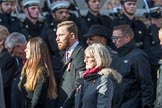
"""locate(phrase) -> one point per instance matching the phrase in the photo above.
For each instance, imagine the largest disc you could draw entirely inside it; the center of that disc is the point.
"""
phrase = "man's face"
(62, 38)
(119, 39)
(94, 5)
(32, 11)
(61, 15)
(129, 7)
(94, 39)
(17, 51)
(157, 22)
(7, 7)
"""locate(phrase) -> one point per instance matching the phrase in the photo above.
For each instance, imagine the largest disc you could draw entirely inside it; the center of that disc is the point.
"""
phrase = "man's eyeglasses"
(115, 38)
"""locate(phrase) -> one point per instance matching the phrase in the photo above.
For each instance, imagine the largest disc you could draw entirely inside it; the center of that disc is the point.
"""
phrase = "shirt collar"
(71, 49)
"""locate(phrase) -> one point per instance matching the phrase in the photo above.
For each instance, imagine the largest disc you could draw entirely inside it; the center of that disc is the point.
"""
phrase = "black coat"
(155, 49)
(31, 30)
(10, 22)
(85, 22)
(136, 88)
(16, 95)
(8, 67)
(49, 36)
(2, 101)
(70, 77)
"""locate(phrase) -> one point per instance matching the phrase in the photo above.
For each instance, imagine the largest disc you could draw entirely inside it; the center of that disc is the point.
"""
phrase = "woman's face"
(89, 61)
(27, 51)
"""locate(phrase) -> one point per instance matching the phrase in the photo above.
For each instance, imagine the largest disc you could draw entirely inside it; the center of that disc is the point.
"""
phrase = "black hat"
(97, 30)
(123, 1)
(155, 12)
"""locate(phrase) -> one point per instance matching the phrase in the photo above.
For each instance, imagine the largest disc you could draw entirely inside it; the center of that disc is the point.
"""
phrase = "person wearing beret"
(99, 34)
(6, 19)
(32, 25)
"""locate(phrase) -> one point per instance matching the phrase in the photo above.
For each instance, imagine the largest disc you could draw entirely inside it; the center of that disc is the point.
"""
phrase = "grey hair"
(100, 54)
(15, 38)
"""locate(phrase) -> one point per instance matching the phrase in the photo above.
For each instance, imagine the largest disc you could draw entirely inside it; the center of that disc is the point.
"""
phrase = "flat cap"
(27, 3)
(97, 30)
(155, 12)
(59, 5)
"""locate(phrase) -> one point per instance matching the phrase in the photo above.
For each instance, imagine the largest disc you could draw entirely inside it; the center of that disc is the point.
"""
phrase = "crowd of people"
(64, 60)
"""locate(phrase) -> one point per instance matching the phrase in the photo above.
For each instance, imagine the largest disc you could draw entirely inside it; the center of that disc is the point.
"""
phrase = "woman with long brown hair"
(37, 79)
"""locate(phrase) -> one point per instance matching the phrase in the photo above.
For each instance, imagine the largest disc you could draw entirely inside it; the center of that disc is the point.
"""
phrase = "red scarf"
(91, 71)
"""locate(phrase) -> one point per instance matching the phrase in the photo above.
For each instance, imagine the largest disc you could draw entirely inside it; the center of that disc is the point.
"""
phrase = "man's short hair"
(125, 29)
(71, 27)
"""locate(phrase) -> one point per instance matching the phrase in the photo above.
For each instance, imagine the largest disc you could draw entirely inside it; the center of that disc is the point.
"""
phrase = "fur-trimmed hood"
(112, 74)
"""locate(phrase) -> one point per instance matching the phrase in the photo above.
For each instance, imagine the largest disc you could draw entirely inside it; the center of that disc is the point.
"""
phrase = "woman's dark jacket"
(96, 91)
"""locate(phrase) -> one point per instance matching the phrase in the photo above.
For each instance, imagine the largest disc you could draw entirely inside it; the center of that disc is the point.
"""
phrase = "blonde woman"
(37, 80)
(96, 90)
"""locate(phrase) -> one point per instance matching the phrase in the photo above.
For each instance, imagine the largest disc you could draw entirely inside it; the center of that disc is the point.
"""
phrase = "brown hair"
(125, 29)
(71, 27)
(37, 65)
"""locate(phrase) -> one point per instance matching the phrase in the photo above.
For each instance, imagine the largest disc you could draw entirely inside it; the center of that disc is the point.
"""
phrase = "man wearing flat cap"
(98, 34)
(32, 24)
(6, 19)
(128, 17)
